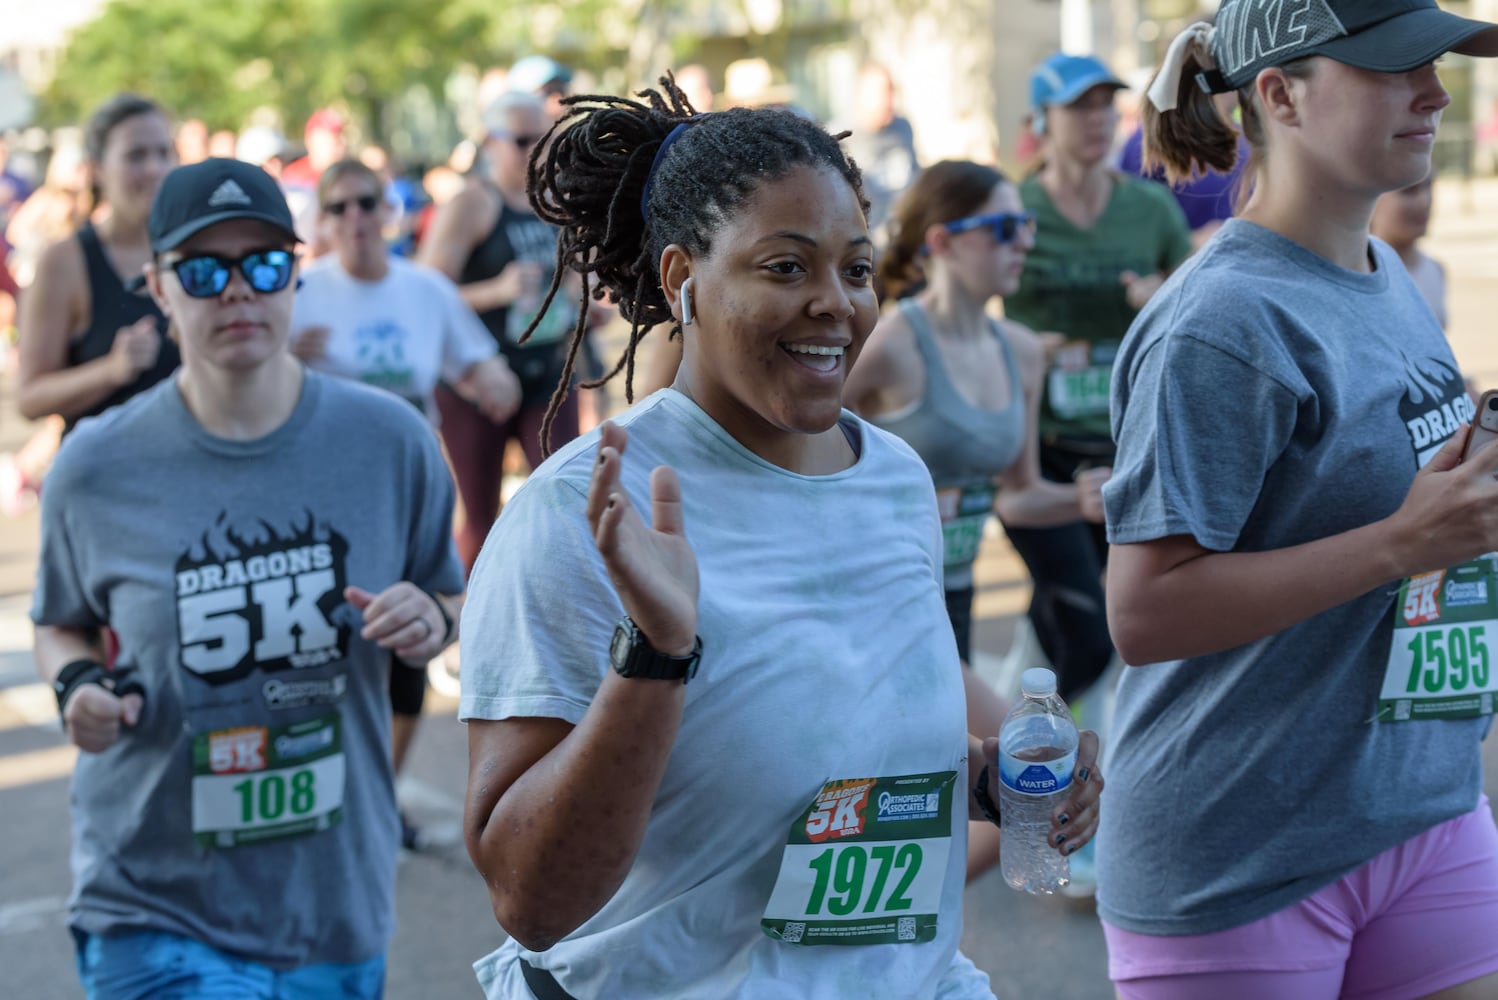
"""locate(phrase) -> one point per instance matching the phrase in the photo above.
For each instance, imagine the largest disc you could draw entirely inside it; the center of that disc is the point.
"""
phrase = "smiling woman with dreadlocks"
(811, 785)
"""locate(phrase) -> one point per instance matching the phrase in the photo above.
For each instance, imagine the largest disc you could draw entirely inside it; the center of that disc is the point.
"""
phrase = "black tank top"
(539, 361)
(112, 308)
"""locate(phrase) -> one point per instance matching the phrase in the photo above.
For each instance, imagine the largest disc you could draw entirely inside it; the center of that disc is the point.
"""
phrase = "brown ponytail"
(943, 192)
(1192, 139)
(1196, 137)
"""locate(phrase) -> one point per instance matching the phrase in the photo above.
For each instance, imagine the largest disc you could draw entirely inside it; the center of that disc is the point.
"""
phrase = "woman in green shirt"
(1104, 243)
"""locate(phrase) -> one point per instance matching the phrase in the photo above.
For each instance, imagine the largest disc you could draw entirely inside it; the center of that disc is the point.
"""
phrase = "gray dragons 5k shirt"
(221, 567)
(1267, 398)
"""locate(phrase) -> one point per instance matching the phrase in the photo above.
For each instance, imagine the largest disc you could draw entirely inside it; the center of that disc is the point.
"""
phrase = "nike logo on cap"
(228, 193)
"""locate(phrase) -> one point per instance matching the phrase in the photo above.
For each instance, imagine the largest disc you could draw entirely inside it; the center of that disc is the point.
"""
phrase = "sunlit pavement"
(1050, 948)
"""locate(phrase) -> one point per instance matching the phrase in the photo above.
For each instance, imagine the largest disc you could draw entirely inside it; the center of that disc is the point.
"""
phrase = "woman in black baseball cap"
(260, 540)
(1298, 547)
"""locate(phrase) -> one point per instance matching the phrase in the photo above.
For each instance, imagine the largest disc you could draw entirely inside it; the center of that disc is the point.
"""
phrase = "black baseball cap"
(203, 194)
(1387, 36)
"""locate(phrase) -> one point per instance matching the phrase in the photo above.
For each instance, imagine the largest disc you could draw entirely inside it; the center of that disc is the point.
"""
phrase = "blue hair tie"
(660, 154)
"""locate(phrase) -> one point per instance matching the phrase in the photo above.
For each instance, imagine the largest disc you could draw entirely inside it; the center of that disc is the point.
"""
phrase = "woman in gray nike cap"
(1297, 556)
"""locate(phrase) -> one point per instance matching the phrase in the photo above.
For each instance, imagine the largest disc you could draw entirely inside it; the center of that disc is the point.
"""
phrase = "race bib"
(1441, 658)
(259, 783)
(1078, 380)
(865, 863)
(1082, 393)
(964, 511)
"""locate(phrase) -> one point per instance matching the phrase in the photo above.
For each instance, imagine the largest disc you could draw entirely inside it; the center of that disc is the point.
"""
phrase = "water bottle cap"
(1038, 681)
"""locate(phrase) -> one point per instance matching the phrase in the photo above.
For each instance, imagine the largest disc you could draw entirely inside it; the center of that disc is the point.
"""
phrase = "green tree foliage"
(221, 61)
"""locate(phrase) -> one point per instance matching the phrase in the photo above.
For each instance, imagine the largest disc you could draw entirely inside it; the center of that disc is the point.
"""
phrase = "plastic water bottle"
(1037, 755)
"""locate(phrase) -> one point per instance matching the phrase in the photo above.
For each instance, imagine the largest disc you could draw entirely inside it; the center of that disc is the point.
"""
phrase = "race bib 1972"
(865, 863)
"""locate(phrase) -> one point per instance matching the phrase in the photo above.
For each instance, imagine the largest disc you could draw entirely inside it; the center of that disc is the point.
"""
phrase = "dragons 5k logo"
(1435, 403)
(839, 810)
(261, 600)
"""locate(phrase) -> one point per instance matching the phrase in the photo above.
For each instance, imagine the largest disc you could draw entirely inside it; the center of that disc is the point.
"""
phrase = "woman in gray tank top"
(963, 389)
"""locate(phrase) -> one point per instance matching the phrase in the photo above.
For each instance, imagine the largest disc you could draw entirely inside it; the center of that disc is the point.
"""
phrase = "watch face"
(620, 645)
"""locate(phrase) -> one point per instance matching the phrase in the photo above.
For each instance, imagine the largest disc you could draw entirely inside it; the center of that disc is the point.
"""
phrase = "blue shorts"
(155, 965)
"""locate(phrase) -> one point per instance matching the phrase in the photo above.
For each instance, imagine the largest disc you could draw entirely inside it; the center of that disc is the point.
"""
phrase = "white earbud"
(686, 303)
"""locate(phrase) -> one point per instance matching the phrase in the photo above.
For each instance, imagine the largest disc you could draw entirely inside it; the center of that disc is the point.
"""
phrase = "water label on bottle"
(865, 863)
(1440, 661)
(1036, 777)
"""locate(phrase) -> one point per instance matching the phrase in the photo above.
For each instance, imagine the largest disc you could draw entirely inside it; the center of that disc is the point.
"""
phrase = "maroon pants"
(476, 448)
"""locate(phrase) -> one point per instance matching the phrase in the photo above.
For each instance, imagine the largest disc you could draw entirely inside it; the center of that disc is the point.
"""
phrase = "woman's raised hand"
(652, 567)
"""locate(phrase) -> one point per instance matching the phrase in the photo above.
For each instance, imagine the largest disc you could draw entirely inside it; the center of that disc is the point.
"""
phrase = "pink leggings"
(1419, 918)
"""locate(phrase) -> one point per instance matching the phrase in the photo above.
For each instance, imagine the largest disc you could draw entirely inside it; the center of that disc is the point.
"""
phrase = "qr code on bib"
(793, 932)
(905, 929)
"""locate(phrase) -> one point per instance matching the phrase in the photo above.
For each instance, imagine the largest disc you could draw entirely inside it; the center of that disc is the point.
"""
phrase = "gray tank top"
(964, 447)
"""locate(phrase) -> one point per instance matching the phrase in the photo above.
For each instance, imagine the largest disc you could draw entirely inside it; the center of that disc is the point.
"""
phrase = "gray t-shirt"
(252, 808)
(1264, 399)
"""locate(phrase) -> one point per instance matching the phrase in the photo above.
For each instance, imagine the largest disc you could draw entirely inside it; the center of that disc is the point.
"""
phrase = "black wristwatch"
(633, 656)
(986, 805)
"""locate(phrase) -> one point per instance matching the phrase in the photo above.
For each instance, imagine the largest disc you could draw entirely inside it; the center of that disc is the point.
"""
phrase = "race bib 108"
(256, 783)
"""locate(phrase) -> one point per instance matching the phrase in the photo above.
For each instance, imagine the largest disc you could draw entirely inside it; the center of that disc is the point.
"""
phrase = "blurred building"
(961, 67)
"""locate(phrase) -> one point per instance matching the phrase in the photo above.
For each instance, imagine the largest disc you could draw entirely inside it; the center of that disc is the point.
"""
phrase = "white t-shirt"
(401, 333)
(827, 654)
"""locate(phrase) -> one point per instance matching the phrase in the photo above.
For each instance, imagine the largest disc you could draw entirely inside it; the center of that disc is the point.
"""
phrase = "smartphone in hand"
(1484, 426)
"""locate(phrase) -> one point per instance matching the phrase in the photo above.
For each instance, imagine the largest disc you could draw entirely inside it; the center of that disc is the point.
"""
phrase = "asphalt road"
(1050, 948)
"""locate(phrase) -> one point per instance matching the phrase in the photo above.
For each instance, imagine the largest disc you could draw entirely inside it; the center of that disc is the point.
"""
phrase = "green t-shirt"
(1071, 286)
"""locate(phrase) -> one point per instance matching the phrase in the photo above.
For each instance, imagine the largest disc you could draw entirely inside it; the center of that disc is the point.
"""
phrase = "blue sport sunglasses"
(1005, 226)
(205, 276)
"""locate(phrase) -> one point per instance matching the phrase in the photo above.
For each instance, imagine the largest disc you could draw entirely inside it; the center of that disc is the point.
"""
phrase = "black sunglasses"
(367, 203)
(1005, 226)
(522, 142)
(205, 276)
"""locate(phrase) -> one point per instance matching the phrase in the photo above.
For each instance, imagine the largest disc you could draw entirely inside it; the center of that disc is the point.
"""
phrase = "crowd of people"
(1182, 380)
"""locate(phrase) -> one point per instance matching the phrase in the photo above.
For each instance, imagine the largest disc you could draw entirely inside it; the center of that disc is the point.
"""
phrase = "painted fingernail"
(1084, 774)
(1063, 819)
(1072, 849)
(1060, 839)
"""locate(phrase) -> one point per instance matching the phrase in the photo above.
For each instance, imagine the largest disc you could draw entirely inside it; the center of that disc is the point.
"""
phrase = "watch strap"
(447, 619)
(631, 655)
(73, 676)
(986, 805)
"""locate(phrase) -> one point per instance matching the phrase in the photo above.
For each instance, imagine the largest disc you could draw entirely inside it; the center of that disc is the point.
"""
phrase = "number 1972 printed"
(845, 870)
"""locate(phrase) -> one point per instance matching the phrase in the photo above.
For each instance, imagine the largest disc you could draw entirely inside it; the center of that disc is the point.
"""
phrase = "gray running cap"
(1387, 36)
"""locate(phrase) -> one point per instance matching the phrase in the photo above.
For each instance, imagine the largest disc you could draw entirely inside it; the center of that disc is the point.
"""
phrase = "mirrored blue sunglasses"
(1005, 226)
(205, 276)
